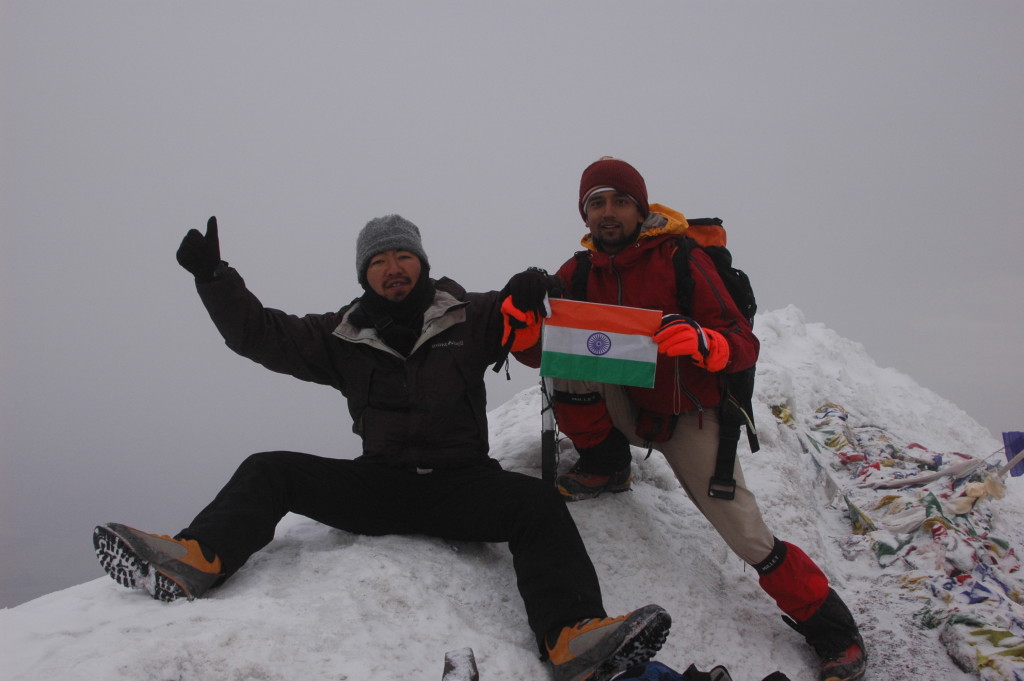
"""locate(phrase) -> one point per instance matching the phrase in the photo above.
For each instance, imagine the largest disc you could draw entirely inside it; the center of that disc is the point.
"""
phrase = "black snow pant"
(556, 578)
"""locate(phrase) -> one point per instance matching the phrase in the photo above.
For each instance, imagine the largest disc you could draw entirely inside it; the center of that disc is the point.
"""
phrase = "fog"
(866, 158)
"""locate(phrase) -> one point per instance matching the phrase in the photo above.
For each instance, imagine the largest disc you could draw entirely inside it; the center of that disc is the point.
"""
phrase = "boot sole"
(638, 640)
(636, 650)
(583, 496)
(126, 567)
(851, 671)
(587, 495)
(853, 675)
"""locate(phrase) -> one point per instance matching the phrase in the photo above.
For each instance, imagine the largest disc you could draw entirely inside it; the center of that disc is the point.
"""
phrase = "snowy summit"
(892, 489)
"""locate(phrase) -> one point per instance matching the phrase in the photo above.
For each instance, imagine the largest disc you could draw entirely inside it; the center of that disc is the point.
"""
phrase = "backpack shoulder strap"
(578, 285)
(684, 282)
(735, 410)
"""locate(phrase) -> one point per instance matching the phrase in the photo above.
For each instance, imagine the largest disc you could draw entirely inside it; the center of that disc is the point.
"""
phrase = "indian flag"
(603, 343)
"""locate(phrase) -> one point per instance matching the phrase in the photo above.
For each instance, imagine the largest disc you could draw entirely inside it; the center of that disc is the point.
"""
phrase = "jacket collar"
(447, 310)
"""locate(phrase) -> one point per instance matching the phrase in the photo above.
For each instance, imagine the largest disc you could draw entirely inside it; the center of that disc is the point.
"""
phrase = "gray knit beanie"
(391, 232)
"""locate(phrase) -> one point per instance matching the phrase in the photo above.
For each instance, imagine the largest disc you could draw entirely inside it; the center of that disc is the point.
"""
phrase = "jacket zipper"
(681, 388)
(618, 280)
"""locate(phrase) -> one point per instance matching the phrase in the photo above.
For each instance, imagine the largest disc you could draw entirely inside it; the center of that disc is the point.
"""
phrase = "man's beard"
(605, 242)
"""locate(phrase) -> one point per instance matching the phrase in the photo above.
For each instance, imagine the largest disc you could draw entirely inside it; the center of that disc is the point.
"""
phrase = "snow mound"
(322, 604)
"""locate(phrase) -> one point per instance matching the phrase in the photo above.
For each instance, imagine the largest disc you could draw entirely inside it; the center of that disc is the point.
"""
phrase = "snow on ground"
(322, 604)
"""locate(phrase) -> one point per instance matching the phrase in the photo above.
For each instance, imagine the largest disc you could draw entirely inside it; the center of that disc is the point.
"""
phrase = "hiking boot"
(577, 485)
(834, 635)
(607, 466)
(848, 665)
(167, 568)
(597, 649)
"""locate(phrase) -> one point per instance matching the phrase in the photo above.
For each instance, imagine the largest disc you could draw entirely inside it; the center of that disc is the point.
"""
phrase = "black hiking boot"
(577, 485)
(834, 635)
(605, 467)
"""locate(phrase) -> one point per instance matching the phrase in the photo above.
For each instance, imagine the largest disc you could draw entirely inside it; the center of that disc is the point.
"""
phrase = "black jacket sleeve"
(281, 342)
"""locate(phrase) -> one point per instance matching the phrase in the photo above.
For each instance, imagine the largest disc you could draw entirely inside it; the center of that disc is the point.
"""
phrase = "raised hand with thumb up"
(199, 253)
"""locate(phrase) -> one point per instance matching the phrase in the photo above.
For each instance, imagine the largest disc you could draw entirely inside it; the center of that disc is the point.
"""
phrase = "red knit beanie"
(613, 173)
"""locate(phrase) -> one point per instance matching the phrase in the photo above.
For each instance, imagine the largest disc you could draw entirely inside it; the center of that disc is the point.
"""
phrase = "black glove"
(528, 289)
(200, 254)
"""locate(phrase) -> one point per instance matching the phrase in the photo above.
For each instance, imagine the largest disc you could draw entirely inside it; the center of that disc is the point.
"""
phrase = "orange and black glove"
(522, 329)
(524, 305)
(680, 336)
(529, 289)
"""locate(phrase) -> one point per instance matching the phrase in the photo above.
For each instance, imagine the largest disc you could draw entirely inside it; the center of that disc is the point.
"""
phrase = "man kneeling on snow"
(410, 356)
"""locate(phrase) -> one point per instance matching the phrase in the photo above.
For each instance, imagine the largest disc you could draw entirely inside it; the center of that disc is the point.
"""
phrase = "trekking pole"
(548, 446)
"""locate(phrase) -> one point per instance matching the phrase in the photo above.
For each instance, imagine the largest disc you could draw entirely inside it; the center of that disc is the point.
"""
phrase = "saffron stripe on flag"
(608, 318)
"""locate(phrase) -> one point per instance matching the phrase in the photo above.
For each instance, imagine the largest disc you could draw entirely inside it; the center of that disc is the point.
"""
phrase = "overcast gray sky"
(867, 158)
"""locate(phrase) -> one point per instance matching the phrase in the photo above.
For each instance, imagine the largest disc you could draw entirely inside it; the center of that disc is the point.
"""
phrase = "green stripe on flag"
(597, 369)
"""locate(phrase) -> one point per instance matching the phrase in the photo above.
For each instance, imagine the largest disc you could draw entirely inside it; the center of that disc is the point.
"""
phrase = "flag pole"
(548, 428)
(548, 445)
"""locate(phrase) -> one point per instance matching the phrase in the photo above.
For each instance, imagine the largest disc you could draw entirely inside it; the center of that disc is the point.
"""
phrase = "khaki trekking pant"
(691, 452)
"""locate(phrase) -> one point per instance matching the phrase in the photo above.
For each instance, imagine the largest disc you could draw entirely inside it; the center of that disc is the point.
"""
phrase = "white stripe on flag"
(599, 344)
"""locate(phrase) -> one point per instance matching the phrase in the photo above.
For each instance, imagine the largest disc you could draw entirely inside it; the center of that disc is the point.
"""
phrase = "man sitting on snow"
(409, 355)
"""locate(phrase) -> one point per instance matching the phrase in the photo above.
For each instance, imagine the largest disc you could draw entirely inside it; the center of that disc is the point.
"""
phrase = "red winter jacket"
(643, 275)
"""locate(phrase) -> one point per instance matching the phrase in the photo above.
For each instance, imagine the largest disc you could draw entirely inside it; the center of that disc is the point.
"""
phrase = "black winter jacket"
(425, 411)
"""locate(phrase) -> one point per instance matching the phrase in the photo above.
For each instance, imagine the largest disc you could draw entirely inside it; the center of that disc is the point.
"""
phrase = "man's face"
(393, 274)
(613, 220)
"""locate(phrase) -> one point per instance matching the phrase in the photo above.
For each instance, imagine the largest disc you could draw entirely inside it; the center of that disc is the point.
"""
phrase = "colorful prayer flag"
(602, 343)
(1013, 442)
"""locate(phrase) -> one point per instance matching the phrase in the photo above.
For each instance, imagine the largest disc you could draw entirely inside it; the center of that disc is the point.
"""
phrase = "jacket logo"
(449, 344)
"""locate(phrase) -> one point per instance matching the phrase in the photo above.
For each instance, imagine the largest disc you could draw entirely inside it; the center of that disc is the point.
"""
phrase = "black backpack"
(736, 408)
